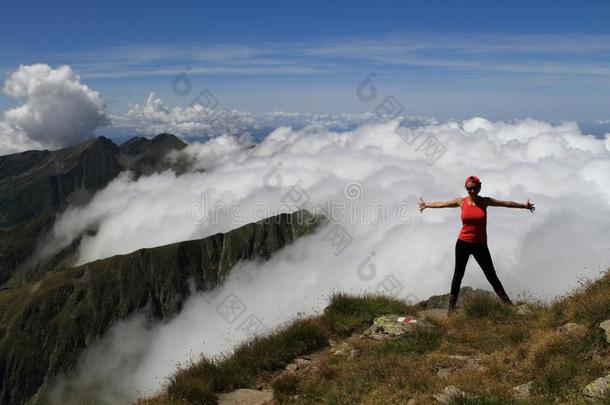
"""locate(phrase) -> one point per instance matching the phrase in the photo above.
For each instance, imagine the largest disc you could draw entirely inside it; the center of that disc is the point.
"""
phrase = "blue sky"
(444, 59)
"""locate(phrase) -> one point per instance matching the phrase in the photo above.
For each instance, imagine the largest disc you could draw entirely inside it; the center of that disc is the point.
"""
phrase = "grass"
(418, 342)
(589, 302)
(347, 313)
(285, 386)
(513, 349)
(201, 381)
(485, 307)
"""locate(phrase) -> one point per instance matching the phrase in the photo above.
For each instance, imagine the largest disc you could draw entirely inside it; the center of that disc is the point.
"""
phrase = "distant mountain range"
(37, 185)
(49, 311)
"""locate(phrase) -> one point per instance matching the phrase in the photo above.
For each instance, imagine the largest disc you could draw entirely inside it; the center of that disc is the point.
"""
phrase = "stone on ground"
(245, 396)
(451, 394)
(523, 391)
(598, 389)
(605, 325)
(569, 327)
(523, 309)
(442, 301)
(392, 325)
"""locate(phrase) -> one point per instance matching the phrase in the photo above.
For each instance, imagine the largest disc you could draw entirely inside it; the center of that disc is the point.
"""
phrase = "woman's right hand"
(422, 205)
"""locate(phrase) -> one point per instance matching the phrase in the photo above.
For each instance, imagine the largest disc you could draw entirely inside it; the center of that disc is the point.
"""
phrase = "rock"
(302, 363)
(444, 372)
(451, 394)
(245, 396)
(605, 325)
(569, 327)
(459, 357)
(393, 325)
(522, 309)
(598, 389)
(469, 359)
(433, 313)
(442, 301)
(291, 367)
(342, 349)
(523, 391)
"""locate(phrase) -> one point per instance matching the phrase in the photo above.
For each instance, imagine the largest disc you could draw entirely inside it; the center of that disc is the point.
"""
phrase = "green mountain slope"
(45, 324)
(37, 185)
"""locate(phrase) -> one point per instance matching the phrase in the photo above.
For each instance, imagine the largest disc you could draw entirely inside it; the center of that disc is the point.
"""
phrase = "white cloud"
(206, 117)
(13, 140)
(527, 54)
(58, 111)
(543, 254)
(154, 117)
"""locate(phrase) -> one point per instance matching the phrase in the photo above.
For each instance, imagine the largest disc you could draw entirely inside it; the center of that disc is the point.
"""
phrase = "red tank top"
(474, 222)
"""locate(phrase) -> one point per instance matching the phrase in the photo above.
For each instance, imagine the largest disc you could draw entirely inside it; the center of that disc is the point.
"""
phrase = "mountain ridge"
(45, 324)
(37, 185)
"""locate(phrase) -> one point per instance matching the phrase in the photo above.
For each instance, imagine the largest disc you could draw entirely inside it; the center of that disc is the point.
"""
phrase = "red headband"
(473, 179)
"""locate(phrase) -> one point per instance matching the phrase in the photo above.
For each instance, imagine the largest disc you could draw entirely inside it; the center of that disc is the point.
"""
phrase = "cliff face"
(45, 324)
(37, 185)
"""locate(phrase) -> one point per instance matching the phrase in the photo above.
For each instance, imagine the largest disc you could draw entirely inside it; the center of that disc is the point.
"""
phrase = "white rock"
(605, 325)
(302, 363)
(523, 309)
(451, 394)
(444, 372)
(245, 396)
(598, 389)
(523, 391)
(568, 327)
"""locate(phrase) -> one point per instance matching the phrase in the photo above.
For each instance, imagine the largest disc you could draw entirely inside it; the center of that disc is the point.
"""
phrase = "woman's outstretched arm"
(438, 204)
(492, 202)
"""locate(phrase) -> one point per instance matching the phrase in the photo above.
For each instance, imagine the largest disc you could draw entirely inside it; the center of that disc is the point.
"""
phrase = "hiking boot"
(505, 299)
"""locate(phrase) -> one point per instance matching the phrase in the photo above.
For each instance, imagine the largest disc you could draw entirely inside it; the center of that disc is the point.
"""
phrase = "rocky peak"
(36, 185)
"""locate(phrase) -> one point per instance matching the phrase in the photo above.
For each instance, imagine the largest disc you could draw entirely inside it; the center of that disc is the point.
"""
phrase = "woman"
(472, 238)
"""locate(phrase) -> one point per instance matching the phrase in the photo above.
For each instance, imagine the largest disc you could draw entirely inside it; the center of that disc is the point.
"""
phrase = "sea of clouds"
(205, 117)
(371, 172)
(397, 249)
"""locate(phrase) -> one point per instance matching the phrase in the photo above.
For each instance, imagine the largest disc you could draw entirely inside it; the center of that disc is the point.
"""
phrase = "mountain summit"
(37, 185)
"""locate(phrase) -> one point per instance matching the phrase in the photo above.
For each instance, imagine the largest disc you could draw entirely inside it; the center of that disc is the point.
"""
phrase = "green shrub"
(347, 313)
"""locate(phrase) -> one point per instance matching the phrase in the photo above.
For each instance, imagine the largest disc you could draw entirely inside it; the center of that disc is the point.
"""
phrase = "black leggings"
(481, 254)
